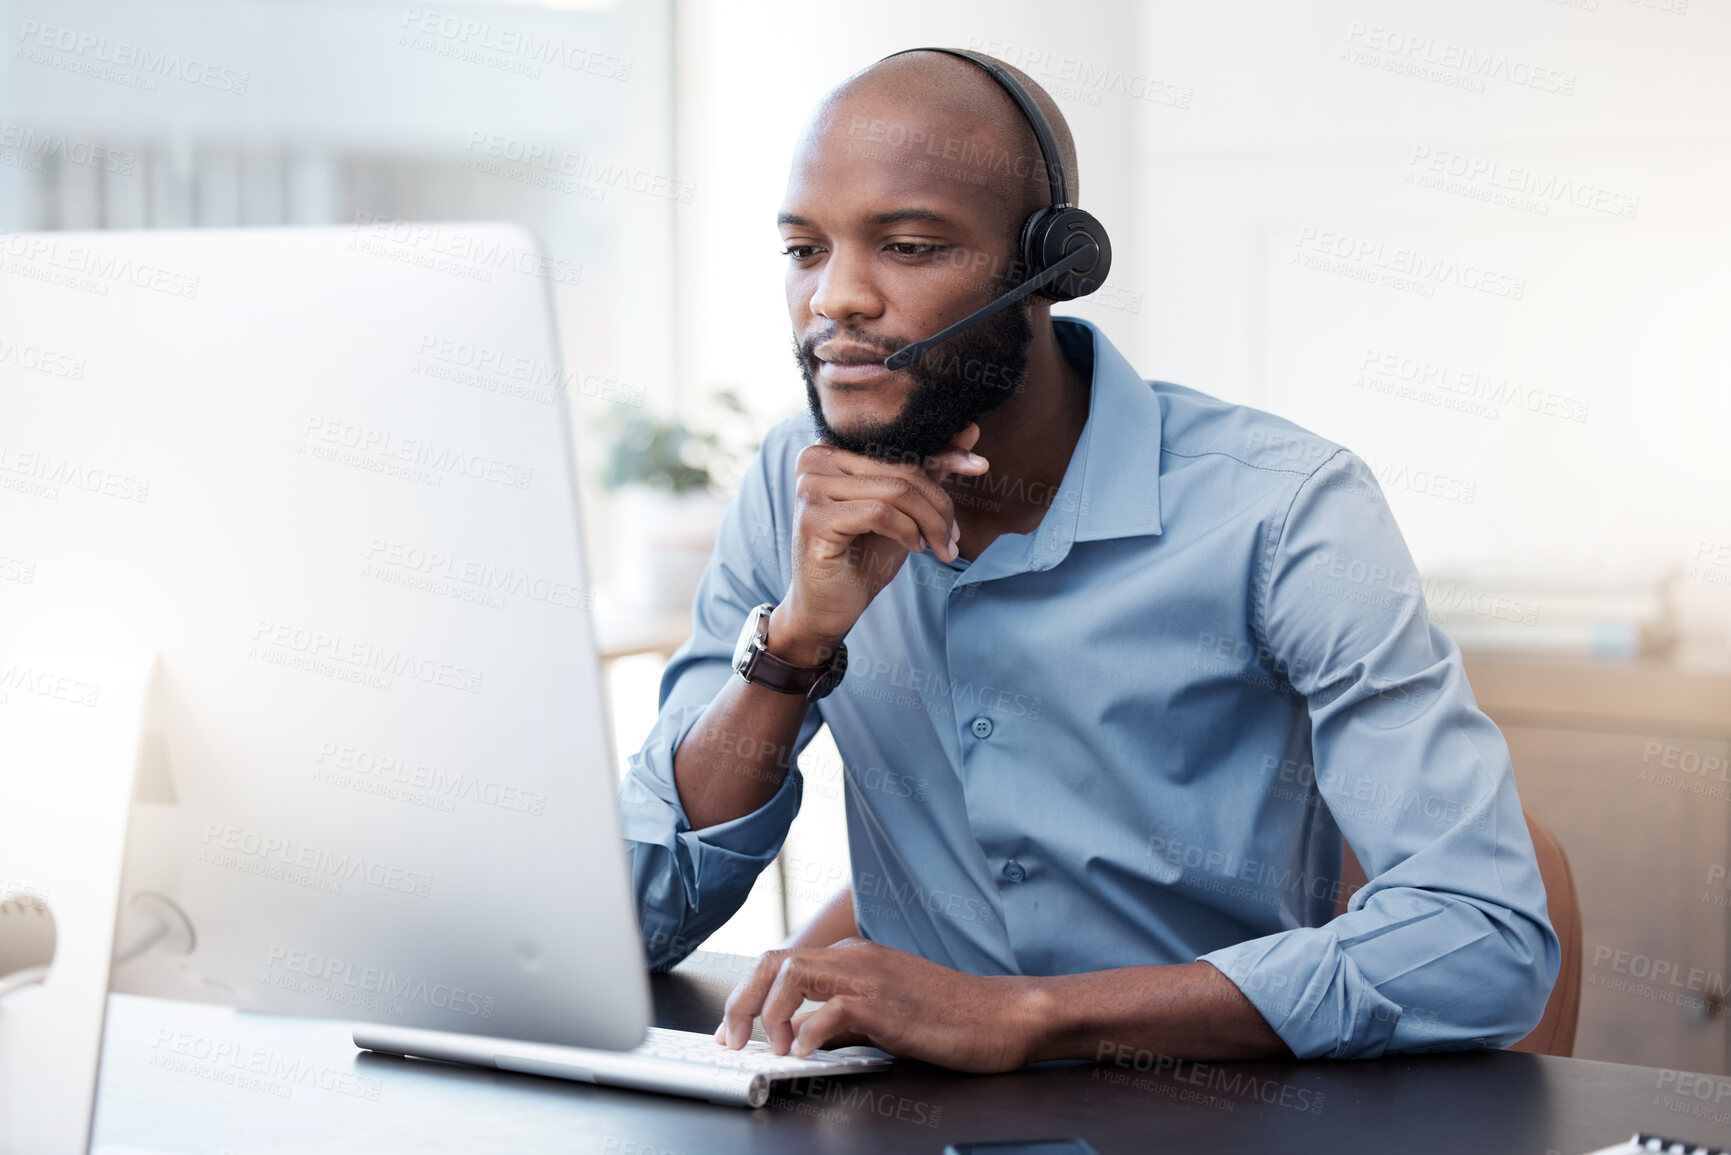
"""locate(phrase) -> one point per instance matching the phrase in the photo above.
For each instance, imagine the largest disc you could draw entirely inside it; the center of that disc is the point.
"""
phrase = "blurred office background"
(1485, 244)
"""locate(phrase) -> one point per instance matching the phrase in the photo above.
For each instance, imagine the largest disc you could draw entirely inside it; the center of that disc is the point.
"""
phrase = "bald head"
(944, 116)
(902, 215)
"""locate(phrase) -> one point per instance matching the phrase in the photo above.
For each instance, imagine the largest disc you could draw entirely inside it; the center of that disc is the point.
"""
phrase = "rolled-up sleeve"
(688, 882)
(1450, 944)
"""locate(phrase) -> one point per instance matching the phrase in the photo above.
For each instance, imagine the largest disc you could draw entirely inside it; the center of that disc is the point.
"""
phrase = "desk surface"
(186, 1078)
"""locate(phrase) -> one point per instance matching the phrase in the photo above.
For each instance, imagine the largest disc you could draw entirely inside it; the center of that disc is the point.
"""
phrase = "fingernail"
(976, 460)
(922, 543)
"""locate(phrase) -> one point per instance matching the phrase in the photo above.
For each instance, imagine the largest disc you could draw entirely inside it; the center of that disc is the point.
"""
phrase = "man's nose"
(846, 288)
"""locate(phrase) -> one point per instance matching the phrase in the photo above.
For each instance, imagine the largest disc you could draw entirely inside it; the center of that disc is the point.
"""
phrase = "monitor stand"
(72, 723)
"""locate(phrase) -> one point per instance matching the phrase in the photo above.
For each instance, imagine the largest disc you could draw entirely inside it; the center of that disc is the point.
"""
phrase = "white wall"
(1297, 125)
(321, 109)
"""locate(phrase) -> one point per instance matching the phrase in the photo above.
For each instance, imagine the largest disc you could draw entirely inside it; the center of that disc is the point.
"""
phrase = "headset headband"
(1030, 111)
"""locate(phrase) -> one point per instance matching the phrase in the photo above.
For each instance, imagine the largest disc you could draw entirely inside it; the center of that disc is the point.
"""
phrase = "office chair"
(1555, 1034)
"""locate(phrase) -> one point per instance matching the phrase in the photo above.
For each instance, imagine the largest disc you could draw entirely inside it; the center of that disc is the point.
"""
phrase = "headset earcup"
(1051, 234)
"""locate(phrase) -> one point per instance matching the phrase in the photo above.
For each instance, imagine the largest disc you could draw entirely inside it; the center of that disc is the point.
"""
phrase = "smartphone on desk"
(1023, 1147)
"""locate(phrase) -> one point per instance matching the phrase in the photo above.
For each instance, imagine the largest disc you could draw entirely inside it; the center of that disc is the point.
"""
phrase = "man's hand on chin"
(888, 998)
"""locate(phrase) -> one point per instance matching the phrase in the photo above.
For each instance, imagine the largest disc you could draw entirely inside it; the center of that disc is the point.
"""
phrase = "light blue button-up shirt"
(1138, 734)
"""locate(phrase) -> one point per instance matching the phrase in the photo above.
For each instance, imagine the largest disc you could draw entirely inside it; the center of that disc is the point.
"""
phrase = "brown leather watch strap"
(765, 669)
(753, 662)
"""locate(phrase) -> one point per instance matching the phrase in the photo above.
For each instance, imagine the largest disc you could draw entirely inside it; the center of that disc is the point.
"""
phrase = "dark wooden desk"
(178, 1077)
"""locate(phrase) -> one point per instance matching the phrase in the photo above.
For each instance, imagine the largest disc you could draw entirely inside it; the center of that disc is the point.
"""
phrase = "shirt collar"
(1111, 487)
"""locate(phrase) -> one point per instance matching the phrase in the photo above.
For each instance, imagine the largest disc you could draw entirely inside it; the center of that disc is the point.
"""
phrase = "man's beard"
(954, 383)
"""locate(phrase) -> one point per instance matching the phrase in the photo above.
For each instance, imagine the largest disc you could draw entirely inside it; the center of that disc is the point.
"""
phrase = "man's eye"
(910, 249)
(799, 252)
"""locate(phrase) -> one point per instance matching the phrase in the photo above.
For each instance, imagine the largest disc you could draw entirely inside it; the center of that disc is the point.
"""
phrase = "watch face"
(742, 648)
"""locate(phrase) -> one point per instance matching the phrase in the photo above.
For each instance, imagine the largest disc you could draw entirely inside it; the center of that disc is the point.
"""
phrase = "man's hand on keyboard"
(890, 999)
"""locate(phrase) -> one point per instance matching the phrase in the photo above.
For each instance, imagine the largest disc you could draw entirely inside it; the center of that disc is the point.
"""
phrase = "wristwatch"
(753, 662)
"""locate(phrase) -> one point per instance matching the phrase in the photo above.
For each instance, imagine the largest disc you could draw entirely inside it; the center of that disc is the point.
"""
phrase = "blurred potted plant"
(666, 483)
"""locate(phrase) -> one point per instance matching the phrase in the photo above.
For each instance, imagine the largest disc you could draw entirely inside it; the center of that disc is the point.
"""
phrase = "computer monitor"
(324, 475)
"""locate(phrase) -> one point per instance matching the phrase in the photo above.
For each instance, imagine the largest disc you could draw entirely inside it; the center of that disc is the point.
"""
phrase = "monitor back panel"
(324, 474)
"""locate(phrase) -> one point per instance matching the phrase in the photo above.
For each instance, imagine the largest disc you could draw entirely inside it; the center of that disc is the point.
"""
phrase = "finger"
(847, 1038)
(839, 1021)
(919, 498)
(914, 470)
(968, 437)
(842, 521)
(747, 999)
(958, 456)
(951, 458)
(819, 457)
(798, 977)
(819, 975)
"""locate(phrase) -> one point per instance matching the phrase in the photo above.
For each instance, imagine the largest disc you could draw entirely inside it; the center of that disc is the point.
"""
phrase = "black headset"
(1064, 251)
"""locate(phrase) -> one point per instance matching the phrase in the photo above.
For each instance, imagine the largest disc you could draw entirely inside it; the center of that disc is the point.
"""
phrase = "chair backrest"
(1555, 1034)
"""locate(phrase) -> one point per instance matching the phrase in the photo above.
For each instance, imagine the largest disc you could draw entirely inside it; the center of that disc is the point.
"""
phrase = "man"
(1124, 662)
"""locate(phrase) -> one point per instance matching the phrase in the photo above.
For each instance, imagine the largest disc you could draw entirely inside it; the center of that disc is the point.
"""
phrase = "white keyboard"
(685, 1063)
(1642, 1143)
(756, 1055)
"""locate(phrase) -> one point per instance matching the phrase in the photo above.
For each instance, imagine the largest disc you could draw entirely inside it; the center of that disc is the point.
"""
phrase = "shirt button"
(1015, 871)
(982, 727)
